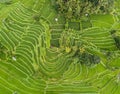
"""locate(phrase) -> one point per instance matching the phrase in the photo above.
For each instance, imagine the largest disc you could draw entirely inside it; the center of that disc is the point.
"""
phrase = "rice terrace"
(59, 46)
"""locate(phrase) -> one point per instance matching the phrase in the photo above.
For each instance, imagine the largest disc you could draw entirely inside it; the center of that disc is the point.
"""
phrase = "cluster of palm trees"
(77, 8)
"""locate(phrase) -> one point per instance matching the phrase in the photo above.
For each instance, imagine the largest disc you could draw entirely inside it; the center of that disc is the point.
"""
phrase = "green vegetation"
(78, 8)
(59, 47)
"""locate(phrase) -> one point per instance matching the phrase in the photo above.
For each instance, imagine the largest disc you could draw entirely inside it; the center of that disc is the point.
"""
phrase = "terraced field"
(43, 53)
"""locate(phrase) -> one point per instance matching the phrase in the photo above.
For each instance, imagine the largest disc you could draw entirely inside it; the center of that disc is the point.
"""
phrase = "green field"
(44, 52)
